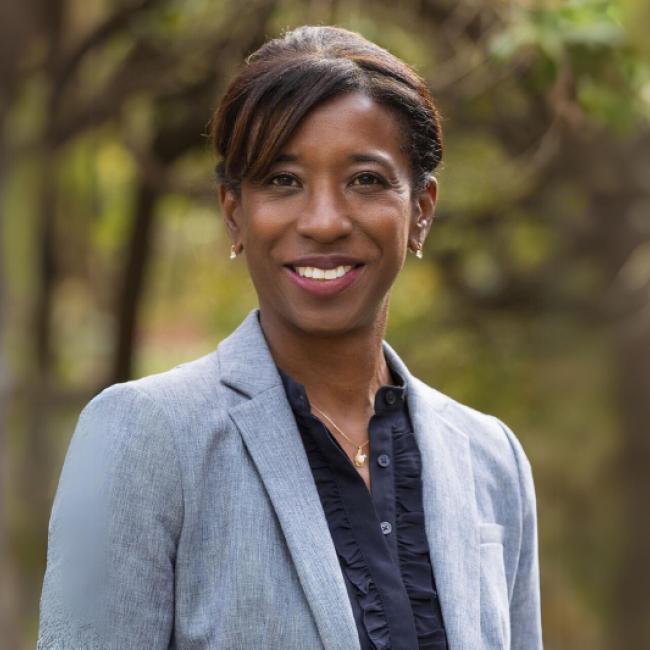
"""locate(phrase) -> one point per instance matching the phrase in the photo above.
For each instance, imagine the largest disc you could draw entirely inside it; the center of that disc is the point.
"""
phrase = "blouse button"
(390, 397)
(386, 528)
(383, 460)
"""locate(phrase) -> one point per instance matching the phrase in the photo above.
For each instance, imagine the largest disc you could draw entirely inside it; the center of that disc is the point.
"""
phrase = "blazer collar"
(268, 428)
(245, 359)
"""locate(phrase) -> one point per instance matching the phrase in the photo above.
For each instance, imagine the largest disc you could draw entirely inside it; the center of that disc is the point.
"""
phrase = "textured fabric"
(387, 571)
(187, 517)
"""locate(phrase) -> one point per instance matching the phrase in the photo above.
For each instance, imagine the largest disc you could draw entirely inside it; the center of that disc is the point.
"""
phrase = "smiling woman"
(330, 218)
(297, 487)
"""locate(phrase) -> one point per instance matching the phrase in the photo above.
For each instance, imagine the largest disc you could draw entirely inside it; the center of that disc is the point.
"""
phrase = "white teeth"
(322, 274)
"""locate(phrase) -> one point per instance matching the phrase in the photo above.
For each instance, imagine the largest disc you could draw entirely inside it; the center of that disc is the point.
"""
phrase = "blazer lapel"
(271, 436)
(450, 510)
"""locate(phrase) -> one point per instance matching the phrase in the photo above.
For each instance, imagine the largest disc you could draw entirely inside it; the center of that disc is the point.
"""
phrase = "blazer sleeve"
(113, 530)
(525, 607)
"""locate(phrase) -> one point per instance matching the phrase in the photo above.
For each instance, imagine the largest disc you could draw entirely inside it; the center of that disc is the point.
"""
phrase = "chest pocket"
(495, 610)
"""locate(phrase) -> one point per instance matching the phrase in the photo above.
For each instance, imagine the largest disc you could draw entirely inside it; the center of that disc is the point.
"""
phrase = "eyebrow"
(378, 158)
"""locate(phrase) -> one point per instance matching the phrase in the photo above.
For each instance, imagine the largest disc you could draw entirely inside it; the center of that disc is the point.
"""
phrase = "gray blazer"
(187, 517)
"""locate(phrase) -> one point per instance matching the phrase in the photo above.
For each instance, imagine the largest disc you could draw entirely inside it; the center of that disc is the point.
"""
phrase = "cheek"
(262, 226)
(391, 231)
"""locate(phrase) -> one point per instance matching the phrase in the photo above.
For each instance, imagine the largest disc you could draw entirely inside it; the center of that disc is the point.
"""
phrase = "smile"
(322, 274)
(321, 282)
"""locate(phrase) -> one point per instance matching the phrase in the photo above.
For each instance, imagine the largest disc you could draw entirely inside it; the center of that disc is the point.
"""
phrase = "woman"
(298, 488)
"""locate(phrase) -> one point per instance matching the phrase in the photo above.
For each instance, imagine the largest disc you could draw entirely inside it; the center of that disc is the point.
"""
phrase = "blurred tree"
(581, 132)
(179, 79)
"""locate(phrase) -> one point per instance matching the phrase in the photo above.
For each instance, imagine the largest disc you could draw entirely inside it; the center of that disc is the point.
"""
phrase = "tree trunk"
(8, 583)
(133, 282)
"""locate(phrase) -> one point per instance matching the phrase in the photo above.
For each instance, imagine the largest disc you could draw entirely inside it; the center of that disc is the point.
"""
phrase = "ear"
(423, 214)
(231, 209)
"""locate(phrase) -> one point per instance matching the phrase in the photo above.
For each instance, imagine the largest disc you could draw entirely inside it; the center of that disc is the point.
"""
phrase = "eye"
(367, 178)
(283, 180)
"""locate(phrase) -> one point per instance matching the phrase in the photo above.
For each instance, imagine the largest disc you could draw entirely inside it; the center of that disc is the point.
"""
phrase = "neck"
(341, 374)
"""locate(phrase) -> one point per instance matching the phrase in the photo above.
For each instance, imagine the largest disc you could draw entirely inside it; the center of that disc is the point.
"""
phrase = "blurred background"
(532, 301)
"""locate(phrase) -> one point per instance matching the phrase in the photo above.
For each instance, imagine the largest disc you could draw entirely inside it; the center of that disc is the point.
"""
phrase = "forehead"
(347, 123)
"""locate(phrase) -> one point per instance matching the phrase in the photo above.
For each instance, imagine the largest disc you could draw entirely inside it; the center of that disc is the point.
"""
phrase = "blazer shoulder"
(191, 379)
(145, 421)
(177, 392)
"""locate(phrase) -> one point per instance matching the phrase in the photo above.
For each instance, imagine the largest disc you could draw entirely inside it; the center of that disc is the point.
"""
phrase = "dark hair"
(289, 76)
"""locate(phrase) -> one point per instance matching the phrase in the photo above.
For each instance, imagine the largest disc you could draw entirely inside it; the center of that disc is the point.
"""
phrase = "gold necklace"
(359, 458)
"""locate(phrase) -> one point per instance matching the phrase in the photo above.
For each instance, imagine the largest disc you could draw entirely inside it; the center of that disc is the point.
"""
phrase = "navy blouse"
(380, 538)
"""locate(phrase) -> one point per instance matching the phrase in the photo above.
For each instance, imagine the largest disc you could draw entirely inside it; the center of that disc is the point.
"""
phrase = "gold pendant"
(360, 459)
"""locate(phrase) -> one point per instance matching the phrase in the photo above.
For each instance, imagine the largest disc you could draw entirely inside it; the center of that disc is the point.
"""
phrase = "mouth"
(321, 274)
(320, 281)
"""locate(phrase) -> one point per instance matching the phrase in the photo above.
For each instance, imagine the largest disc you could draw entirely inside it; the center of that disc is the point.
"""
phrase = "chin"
(324, 318)
(332, 322)
(319, 324)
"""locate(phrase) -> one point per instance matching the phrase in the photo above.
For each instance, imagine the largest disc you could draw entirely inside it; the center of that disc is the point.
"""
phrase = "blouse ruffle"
(412, 545)
(352, 560)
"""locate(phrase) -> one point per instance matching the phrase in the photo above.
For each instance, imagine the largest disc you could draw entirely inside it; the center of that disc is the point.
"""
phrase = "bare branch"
(113, 24)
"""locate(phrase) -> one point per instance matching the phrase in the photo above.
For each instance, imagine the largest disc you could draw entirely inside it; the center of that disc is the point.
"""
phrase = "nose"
(325, 215)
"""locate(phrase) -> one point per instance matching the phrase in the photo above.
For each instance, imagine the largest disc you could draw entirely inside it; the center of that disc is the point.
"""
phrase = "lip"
(324, 287)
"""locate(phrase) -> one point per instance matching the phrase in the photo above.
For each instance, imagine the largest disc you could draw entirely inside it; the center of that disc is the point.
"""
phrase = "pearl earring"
(418, 250)
(233, 251)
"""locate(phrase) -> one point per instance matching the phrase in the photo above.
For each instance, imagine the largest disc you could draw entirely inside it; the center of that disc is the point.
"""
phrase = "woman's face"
(337, 205)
